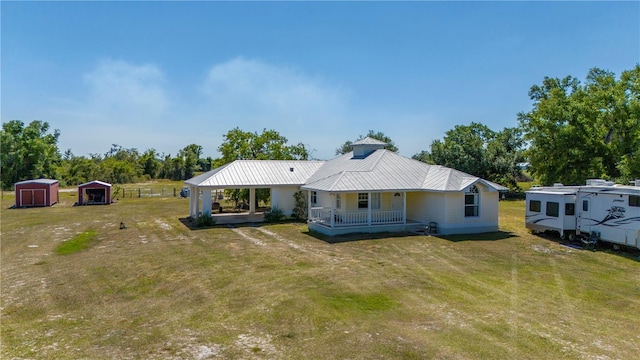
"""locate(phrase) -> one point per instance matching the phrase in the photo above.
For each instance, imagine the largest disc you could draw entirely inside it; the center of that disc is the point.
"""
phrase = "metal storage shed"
(94, 193)
(38, 192)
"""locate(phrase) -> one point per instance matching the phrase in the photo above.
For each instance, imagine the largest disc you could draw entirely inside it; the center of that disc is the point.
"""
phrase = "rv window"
(552, 208)
(569, 209)
(585, 205)
(634, 200)
(534, 205)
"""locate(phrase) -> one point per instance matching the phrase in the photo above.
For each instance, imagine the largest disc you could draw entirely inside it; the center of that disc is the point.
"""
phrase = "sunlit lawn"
(158, 289)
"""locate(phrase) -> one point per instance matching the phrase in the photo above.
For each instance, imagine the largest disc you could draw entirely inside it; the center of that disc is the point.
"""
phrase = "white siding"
(282, 198)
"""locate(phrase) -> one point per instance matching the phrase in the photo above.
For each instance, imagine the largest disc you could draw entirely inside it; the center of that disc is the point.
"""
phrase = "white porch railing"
(323, 215)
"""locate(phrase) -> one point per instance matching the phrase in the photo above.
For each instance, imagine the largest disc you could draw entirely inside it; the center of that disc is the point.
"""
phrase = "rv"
(600, 210)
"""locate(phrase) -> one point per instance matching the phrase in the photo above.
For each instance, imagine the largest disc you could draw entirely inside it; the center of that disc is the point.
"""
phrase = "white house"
(367, 190)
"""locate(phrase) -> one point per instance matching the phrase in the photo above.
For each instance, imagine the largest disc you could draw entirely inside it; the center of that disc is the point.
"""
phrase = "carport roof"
(257, 173)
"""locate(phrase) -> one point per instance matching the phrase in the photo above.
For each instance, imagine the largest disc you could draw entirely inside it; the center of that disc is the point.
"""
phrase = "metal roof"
(95, 182)
(255, 173)
(369, 141)
(38, 181)
(384, 170)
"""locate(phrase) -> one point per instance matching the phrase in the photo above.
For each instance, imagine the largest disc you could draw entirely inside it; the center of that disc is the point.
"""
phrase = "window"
(471, 201)
(338, 201)
(569, 209)
(534, 205)
(363, 200)
(585, 205)
(552, 208)
(314, 197)
(375, 201)
(634, 200)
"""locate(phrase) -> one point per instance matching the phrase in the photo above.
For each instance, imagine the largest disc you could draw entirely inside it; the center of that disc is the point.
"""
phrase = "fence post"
(124, 193)
(139, 194)
(174, 192)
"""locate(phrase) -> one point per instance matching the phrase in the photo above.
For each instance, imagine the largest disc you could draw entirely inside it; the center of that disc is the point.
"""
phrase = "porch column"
(197, 190)
(333, 204)
(252, 200)
(404, 207)
(206, 202)
(193, 213)
(369, 208)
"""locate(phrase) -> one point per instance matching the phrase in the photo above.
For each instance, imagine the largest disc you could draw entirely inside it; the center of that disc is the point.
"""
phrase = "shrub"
(274, 215)
(300, 210)
(205, 220)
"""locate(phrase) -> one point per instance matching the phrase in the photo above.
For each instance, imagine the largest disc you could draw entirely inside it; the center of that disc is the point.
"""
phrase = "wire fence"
(127, 193)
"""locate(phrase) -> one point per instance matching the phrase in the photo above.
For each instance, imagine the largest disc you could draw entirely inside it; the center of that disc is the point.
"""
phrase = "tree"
(346, 147)
(269, 145)
(27, 152)
(477, 150)
(576, 132)
(150, 163)
(190, 156)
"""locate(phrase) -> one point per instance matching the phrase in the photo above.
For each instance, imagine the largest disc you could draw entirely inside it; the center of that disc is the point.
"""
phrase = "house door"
(584, 217)
(396, 204)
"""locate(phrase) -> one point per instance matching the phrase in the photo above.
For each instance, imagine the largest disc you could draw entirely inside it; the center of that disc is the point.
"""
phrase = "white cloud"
(124, 92)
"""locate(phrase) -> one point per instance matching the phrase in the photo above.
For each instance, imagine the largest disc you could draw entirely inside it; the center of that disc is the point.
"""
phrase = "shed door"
(584, 217)
(38, 197)
(26, 197)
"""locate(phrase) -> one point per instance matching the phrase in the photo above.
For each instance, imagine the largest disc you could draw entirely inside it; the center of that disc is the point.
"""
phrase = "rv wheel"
(571, 236)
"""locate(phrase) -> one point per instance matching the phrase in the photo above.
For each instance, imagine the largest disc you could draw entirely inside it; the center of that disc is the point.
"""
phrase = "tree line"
(573, 132)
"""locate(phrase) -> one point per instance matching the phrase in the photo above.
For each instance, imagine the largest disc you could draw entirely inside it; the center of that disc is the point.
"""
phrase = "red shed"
(39, 192)
(94, 193)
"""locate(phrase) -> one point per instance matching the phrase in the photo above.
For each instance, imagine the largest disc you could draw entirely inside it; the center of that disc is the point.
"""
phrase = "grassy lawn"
(160, 290)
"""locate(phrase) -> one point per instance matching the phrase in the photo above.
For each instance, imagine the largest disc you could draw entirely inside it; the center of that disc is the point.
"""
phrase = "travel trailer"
(600, 211)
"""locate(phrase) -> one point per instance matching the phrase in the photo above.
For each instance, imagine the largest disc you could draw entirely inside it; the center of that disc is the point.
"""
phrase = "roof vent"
(558, 185)
(291, 169)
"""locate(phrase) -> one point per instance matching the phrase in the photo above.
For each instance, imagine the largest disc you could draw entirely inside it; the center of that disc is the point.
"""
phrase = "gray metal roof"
(254, 173)
(38, 181)
(384, 170)
(95, 182)
(369, 141)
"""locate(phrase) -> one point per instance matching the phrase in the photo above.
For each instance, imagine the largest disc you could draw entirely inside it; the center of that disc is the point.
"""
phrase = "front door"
(396, 204)
(584, 216)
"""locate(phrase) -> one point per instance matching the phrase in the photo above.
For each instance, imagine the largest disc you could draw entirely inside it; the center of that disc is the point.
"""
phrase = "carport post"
(252, 200)
(206, 202)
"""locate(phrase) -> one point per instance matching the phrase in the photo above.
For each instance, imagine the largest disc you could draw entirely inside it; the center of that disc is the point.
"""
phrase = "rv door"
(584, 215)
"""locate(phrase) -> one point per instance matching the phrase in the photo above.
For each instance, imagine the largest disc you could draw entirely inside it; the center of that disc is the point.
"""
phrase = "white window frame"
(314, 198)
(338, 201)
(363, 198)
(475, 205)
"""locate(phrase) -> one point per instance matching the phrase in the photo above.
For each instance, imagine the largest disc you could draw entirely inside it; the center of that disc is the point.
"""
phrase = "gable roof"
(98, 182)
(38, 181)
(253, 173)
(384, 170)
(369, 141)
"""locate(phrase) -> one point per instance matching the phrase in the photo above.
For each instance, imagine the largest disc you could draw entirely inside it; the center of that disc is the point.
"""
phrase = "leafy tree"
(576, 131)
(269, 145)
(150, 163)
(346, 147)
(190, 156)
(27, 152)
(477, 150)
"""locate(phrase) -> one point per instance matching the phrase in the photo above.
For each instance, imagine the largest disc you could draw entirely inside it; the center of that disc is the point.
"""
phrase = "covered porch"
(341, 213)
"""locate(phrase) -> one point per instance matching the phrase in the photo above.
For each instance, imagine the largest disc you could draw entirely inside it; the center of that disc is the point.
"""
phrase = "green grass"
(159, 290)
(77, 243)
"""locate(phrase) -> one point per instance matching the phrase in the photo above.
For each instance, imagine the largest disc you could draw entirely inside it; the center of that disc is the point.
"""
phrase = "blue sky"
(167, 74)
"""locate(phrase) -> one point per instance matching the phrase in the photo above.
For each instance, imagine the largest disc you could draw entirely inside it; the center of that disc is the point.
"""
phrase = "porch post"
(206, 202)
(404, 207)
(192, 202)
(369, 208)
(333, 203)
(252, 200)
(197, 190)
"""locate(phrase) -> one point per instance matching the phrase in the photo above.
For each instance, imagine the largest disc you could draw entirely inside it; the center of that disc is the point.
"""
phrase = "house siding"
(282, 198)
